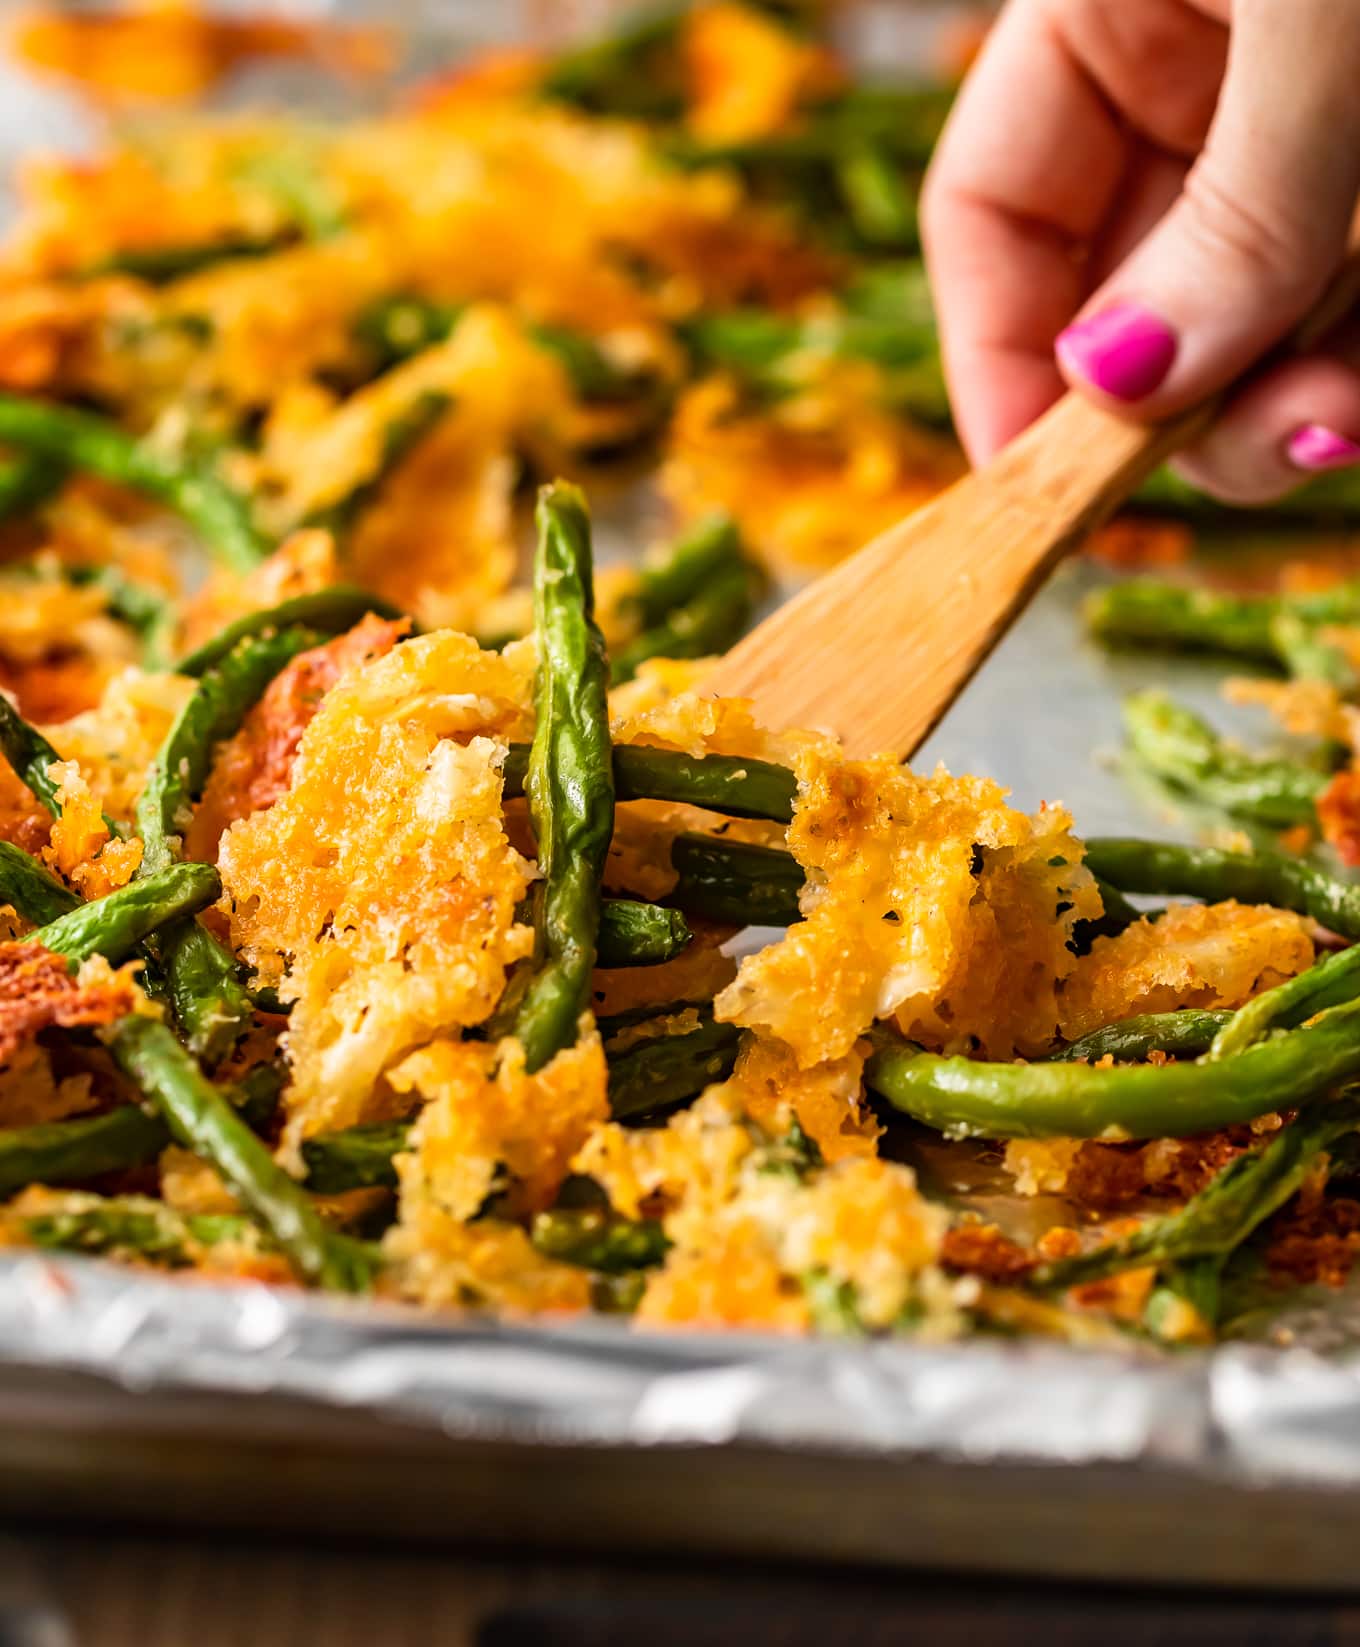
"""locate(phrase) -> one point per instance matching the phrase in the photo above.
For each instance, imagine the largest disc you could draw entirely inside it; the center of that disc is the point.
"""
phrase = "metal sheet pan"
(128, 1395)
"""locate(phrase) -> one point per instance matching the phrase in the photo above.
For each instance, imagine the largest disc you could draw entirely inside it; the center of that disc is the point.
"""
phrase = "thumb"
(1257, 232)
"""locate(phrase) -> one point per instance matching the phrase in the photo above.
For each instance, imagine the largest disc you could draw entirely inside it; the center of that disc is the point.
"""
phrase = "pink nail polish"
(1316, 447)
(1124, 351)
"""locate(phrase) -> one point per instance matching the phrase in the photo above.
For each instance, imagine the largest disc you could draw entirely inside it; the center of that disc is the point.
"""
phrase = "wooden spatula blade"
(878, 649)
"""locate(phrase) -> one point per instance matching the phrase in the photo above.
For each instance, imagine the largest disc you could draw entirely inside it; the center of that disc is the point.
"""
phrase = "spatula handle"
(1079, 462)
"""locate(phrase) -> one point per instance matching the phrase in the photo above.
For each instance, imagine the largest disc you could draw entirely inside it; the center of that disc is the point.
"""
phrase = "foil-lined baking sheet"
(1279, 1409)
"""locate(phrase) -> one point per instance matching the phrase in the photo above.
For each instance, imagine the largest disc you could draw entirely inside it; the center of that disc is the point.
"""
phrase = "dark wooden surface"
(93, 1587)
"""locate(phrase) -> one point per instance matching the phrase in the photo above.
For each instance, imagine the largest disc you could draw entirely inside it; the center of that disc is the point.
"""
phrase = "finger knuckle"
(1231, 229)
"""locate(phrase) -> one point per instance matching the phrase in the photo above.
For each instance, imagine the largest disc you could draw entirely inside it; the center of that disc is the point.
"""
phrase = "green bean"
(34, 891)
(29, 754)
(1167, 615)
(1221, 1216)
(570, 782)
(202, 1120)
(704, 625)
(192, 490)
(1332, 981)
(1064, 1100)
(74, 1152)
(1280, 629)
(127, 1226)
(1212, 875)
(146, 610)
(392, 329)
(1307, 655)
(730, 784)
(638, 934)
(224, 695)
(1185, 751)
(135, 1226)
(594, 1238)
(159, 265)
(668, 579)
(1333, 496)
(329, 612)
(115, 925)
(621, 74)
(209, 999)
(735, 882)
(29, 481)
(201, 1117)
(590, 371)
(875, 192)
(664, 1071)
(361, 1157)
(1184, 1034)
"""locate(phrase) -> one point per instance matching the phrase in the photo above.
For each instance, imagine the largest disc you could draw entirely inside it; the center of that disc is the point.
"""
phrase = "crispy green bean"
(1212, 875)
(669, 578)
(1332, 981)
(30, 755)
(329, 612)
(1186, 752)
(392, 329)
(29, 481)
(734, 882)
(202, 1120)
(115, 925)
(226, 692)
(1149, 612)
(638, 934)
(1221, 1216)
(707, 623)
(959, 1096)
(1184, 1034)
(361, 1157)
(211, 1003)
(594, 1238)
(159, 265)
(723, 783)
(570, 783)
(31, 889)
(126, 1226)
(91, 443)
(74, 1152)
(135, 1226)
(876, 195)
(667, 1070)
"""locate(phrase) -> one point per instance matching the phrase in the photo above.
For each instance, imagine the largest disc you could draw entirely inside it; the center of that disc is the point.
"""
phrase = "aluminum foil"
(1243, 1413)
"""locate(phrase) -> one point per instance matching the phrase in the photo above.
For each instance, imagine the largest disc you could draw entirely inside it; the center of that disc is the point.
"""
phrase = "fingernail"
(1124, 351)
(1317, 447)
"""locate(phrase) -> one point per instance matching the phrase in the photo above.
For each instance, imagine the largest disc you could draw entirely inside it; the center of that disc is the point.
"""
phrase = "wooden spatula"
(879, 648)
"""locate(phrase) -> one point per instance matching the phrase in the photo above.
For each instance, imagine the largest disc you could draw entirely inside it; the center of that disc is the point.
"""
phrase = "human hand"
(1141, 197)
